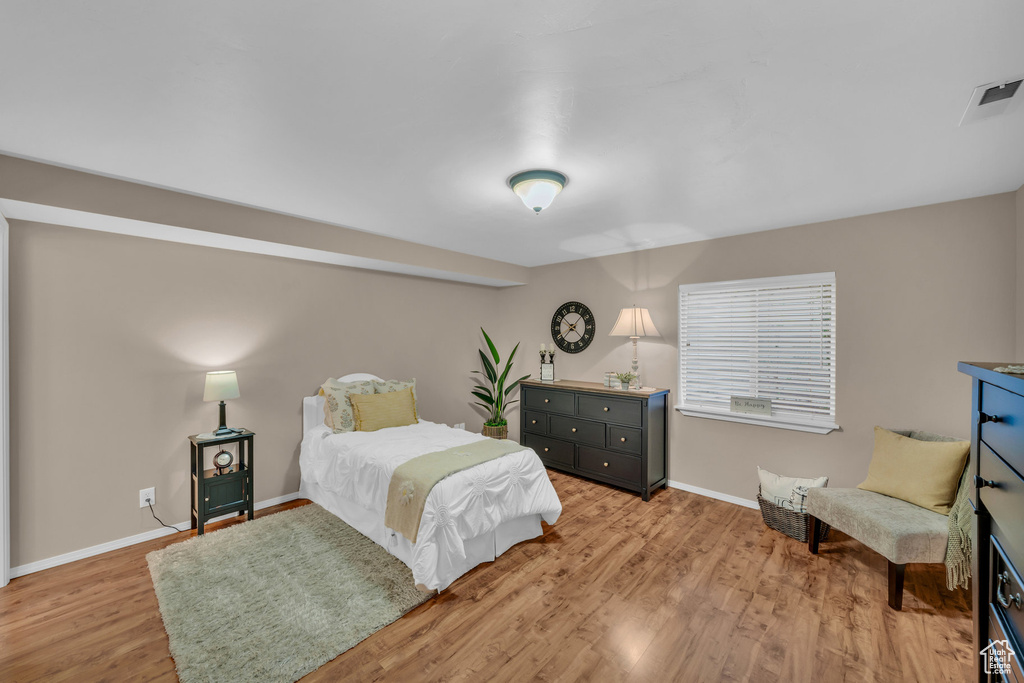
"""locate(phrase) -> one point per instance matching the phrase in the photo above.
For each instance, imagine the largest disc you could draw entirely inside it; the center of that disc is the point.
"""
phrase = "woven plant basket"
(790, 522)
(496, 432)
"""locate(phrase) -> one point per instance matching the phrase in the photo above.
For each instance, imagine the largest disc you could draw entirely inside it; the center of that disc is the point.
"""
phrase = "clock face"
(223, 459)
(572, 327)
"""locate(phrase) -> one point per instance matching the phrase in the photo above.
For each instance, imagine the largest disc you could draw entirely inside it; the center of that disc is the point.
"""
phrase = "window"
(769, 340)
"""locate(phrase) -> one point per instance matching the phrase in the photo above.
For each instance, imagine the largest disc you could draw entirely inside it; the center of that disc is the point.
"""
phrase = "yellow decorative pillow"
(337, 403)
(925, 473)
(377, 411)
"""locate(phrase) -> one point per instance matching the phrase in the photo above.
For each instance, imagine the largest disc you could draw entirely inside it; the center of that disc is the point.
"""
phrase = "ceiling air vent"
(992, 99)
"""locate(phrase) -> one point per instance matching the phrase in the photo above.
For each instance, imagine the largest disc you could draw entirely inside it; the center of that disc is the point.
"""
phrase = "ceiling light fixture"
(537, 188)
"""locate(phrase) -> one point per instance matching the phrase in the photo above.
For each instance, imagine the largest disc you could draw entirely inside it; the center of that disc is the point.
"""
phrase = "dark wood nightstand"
(219, 492)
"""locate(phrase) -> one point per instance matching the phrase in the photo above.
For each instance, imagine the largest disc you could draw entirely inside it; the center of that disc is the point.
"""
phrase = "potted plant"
(494, 396)
(625, 378)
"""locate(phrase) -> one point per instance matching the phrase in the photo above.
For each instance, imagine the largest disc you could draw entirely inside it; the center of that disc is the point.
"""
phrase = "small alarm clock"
(223, 460)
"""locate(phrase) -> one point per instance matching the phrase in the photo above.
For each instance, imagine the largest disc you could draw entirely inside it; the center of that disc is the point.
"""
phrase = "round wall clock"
(572, 327)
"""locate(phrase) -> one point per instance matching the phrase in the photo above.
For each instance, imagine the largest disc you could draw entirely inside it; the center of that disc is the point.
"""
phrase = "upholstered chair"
(899, 531)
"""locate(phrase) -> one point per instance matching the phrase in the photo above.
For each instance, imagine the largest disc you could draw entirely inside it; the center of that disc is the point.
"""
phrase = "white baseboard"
(735, 500)
(74, 555)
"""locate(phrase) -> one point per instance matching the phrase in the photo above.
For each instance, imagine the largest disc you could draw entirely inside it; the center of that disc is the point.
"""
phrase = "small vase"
(624, 386)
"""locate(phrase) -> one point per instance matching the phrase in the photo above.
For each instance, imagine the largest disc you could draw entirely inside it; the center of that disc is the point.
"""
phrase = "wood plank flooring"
(682, 588)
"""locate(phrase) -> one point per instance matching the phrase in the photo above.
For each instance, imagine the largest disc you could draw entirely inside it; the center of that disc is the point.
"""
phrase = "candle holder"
(547, 367)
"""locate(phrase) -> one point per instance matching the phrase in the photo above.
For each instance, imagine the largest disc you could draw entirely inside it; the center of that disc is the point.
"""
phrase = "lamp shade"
(538, 188)
(221, 386)
(634, 322)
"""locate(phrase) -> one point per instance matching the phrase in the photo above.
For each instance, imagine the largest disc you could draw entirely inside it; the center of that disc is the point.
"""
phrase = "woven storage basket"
(495, 432)
(790, 522)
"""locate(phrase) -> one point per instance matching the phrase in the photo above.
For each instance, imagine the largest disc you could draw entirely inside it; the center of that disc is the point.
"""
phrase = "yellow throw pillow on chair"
(925, 473)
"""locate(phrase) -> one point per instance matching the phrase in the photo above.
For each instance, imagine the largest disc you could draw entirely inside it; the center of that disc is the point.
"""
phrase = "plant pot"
(624, 386)
(496, 432)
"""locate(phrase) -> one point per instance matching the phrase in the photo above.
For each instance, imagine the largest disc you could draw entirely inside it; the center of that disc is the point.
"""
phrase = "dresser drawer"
(575, 429)
(998, 636)
(1004, 502)
(535, 422)
(608, 464)
(1006, 437)
(625, 439)
(1006, 592)
(550, 400)
(608, 409)
(551, 450)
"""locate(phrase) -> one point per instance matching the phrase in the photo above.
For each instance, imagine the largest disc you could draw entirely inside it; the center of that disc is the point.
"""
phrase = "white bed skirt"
(483, 548)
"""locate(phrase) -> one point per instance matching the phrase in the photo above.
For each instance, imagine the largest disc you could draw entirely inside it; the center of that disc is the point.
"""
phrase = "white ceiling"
(675, 121)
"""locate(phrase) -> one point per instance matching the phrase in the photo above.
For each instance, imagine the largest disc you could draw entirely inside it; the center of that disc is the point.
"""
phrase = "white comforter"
(358, 467)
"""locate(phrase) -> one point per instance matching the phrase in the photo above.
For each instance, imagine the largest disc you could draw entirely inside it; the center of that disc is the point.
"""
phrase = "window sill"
(762, 420)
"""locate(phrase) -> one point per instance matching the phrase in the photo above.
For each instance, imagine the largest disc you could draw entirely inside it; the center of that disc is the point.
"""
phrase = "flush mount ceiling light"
(537, 188)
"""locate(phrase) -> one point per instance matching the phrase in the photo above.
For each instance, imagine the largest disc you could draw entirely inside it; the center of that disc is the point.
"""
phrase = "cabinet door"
(224, 491)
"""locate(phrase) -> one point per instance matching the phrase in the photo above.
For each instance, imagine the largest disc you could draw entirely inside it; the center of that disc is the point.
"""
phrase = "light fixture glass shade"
(221, 386)
(538, 188)
(634, 322)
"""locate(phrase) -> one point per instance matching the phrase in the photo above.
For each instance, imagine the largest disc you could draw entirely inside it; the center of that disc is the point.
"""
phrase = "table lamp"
(634, 323)
(221, 385)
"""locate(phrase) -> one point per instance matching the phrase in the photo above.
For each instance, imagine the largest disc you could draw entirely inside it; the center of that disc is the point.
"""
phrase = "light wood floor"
(681, 588)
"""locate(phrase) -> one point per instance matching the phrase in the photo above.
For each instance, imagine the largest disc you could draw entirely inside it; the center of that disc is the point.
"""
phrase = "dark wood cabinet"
(215, 491)
(586, 428)
(997, 494)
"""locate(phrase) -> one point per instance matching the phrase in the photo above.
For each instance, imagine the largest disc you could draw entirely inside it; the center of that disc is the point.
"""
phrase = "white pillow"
(787, 492)
(359, 377)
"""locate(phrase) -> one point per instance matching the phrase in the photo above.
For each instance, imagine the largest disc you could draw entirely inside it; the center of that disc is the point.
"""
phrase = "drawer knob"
(984, 417)
(1004, 579)
(534, 421)
(606, 409)
(547, 400)
(623, 439)
(982, 483)
(574, 430)
(546, 450)
(606, 464)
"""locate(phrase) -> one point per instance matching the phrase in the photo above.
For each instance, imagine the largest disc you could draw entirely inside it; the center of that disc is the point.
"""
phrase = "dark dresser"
(997, 464)
(610, 435)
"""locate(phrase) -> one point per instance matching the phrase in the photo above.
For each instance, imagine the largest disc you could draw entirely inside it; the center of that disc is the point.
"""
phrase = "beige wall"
(918, 290)
(110, 340)
(111, 337)
(1018, 356)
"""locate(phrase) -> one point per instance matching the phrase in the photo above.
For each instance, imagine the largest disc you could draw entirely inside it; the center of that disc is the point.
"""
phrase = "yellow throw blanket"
(958, 547)
(412, 481)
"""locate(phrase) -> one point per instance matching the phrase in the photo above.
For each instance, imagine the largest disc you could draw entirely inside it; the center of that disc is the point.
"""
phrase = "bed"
(469, 517)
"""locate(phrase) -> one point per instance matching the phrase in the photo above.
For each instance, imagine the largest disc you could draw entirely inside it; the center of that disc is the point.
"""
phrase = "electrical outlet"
(147, 495)
(460, 425)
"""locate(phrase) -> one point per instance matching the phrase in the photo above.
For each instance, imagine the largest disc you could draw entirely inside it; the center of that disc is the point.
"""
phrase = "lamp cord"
(153, 512)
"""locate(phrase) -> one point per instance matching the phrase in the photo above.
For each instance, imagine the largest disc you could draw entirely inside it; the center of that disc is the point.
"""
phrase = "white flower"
(407, 493)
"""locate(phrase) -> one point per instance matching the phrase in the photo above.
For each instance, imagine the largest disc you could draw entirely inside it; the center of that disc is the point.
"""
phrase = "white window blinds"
(771, 338)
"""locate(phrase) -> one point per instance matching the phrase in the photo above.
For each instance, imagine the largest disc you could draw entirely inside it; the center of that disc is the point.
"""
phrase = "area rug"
(277, 597)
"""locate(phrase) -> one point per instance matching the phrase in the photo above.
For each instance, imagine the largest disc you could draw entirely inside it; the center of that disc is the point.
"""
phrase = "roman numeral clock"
(572, 327)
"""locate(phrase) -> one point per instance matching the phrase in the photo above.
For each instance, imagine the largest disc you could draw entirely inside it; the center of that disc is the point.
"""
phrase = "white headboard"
(313, 406)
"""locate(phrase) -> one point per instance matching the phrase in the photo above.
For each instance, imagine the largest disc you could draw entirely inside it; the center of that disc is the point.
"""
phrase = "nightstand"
(219, 492)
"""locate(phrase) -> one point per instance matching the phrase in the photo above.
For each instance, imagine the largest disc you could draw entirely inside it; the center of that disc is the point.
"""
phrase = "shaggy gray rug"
(277, 597)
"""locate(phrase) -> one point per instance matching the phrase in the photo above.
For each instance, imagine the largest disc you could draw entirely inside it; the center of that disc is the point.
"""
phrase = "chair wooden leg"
(896, 573)
(814, 525)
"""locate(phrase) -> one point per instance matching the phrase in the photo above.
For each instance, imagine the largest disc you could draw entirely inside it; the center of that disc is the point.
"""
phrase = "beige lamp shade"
(634, 322)
(221, 386)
